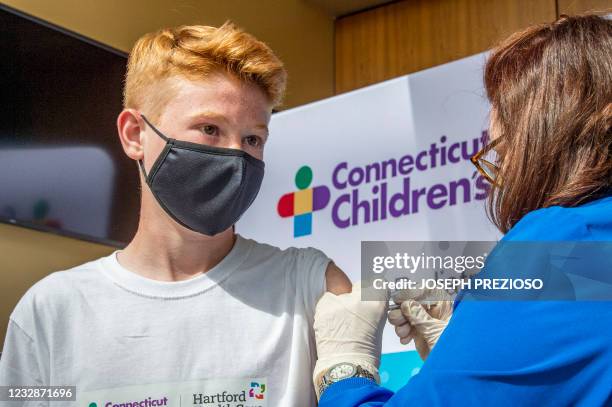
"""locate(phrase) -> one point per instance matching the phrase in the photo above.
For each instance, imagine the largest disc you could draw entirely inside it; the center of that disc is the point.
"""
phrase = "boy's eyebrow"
(209, 115)
(263, 127)
(216, 116)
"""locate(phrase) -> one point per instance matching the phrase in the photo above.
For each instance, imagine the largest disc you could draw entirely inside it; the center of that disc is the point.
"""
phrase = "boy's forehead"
(217, 92)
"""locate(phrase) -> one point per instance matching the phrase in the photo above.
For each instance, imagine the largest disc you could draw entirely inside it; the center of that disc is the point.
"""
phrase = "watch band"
(360, 371)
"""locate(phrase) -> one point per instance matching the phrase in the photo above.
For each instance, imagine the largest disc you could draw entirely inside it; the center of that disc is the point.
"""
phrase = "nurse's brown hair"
(550, 87)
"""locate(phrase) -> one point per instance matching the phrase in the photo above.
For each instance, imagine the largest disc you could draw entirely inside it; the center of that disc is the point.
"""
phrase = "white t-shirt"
(243, 328)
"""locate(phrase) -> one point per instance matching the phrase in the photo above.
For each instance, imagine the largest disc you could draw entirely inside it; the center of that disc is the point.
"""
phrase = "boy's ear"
(129, 129)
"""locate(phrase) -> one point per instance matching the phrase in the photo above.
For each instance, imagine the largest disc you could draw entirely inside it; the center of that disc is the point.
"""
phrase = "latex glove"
(348, 329)
(423, 323)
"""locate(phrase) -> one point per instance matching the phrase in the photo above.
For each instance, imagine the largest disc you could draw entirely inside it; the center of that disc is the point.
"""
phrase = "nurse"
(550, 88)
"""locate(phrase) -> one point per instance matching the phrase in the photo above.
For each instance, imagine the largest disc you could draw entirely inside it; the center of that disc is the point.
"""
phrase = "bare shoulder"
(336, 280)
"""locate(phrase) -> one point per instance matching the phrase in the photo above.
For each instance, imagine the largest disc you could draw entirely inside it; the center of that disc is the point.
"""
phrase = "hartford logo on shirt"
(251, 397)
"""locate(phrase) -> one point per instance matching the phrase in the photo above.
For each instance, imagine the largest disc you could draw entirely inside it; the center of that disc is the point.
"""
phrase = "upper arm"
(337, 282)
(20, 360)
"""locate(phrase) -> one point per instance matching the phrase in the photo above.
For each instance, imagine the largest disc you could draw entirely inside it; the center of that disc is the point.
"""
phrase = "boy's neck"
(165, 251)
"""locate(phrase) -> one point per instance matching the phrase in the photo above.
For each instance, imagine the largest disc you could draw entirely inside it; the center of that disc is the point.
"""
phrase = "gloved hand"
(348, 329)
(423, 323)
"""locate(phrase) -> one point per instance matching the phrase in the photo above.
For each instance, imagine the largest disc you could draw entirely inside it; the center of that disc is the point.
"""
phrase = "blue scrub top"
(514, 353)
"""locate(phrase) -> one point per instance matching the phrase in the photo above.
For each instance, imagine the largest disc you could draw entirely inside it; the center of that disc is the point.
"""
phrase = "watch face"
(341, 371)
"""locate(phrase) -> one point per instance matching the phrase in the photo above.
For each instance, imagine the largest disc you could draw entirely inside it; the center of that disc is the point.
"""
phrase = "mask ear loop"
(160, 134)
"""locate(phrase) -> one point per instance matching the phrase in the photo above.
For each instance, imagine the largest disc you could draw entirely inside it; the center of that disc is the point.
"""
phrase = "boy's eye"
(209, 129)
(254, 141)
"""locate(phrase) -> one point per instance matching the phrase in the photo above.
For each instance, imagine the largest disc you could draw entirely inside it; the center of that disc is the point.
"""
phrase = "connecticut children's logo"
(302, 203)
(257, 390)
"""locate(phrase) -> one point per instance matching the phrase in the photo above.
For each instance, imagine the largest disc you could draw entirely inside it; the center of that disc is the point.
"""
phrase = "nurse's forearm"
(356, 392)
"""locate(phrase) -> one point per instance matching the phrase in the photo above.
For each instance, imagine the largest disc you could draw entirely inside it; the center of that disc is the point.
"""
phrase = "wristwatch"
(342, 371)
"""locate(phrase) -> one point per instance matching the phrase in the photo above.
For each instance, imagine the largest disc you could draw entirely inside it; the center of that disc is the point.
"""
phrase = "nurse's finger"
(396, 317)
(406, 339)
(403, 330)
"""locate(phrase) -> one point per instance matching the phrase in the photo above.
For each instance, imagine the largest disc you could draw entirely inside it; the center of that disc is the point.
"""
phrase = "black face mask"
(204, 188)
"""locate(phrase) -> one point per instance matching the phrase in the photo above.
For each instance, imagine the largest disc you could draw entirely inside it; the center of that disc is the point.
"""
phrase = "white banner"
(386, 162)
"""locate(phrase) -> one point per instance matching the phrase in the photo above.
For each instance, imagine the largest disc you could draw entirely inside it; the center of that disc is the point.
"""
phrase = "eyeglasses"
(484, 166)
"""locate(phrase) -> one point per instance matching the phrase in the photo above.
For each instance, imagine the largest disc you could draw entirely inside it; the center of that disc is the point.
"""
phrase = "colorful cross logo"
(257, 390)
(301, 204)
